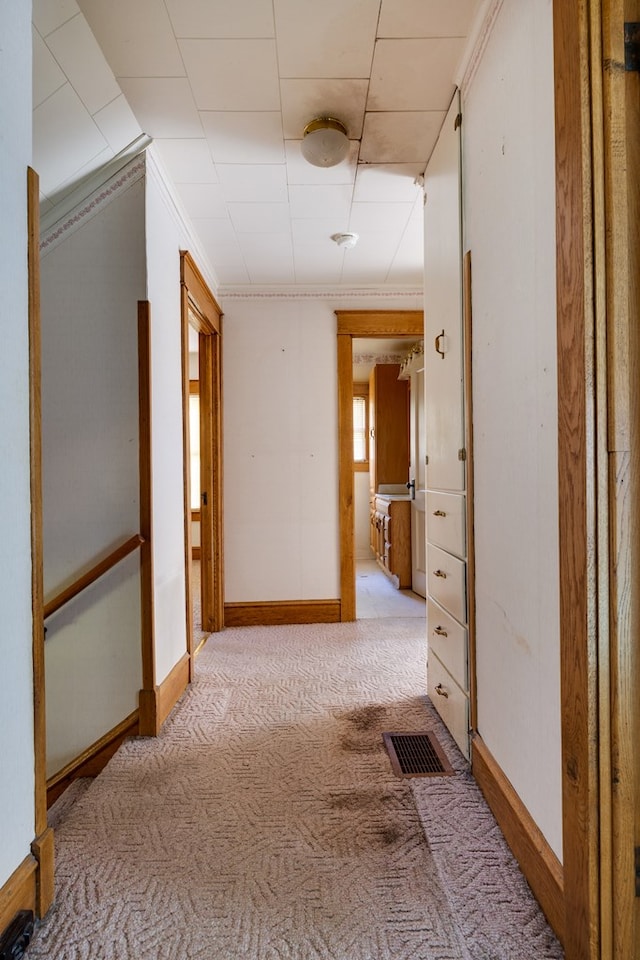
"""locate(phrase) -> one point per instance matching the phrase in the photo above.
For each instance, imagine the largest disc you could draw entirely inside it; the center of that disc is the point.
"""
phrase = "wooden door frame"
(377, 324)
(200, 310)
(598, 264)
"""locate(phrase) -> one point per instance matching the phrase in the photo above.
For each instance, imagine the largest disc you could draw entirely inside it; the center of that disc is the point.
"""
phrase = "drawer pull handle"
(437, 344)
(439, 632)
(439, 513)
(440, 573)
(440, 690)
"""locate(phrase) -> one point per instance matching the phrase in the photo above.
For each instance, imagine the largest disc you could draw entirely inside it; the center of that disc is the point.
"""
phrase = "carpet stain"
(353, 744)
(389, 835)
(364, 718)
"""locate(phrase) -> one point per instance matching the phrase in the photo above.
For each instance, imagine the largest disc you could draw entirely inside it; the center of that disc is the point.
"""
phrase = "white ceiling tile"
(47, 74)
(260, 217)
(318, 263)
(117, 123)
(202, 199)
(260, 182)
(219, 18)
(317, 231)
(330, 39)
(231, 274)
(413, 74)
(232, 74)
(388, 182)
(300, 171)
(390, 218)
(365, 273)
(304, 100)
(426, 18)
(219, 239)
(48, 15)
(137, 38)
(370, 260)
(244, 137)
(269, 257)
(163, 106)
(76, 50)
(65, 138)
(187, 161)
(321, 202)
(405, 137)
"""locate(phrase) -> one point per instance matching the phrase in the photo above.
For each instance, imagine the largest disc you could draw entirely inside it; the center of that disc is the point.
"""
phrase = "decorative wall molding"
(374, 294)
(365, 359)
(96, 201)
(478, 40)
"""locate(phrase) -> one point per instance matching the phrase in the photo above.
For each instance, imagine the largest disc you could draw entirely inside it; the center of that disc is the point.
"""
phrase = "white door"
(418, 478)
(443, 311)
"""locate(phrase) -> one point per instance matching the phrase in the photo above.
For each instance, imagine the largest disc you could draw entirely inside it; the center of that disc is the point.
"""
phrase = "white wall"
(16, 691)
(164, 239)
(91, 281)
(362, 523)
(281, 445)
(509, 223)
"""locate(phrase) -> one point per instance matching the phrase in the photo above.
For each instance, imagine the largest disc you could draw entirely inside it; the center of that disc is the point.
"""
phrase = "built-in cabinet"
(388, 427)
(448, 671)
(389, 501)
(391, 537)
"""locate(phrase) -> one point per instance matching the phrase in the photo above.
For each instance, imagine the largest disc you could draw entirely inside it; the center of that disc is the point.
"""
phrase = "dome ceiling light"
(325, 142)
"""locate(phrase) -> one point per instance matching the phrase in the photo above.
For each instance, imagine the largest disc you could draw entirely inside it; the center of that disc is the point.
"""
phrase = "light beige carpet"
(265, 822)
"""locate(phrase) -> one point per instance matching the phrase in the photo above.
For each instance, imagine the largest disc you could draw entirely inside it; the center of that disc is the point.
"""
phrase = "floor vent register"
(416, 755)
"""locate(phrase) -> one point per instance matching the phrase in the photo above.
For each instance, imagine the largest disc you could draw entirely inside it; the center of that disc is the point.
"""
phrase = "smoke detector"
(346, 240)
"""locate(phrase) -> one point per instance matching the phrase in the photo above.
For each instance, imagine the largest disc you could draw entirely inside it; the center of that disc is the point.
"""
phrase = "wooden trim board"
(279, 612)
(172, 688)
(148, 717)
(576, 479)
(19, 892)
(43, 849)
(159, 703)
(94, 759)
(186, 462)
(370, 323)
(43, 843)
(537, 860)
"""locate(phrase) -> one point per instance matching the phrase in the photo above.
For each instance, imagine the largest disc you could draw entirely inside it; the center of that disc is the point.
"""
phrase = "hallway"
(265, 821)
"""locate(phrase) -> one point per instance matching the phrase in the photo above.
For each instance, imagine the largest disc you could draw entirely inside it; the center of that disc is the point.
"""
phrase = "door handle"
(439, 632)
(442, 692)
(439, 513)
(440, 573)
(437, 342)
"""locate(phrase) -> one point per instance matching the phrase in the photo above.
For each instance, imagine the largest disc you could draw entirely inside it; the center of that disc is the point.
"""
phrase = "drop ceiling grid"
(225, 91)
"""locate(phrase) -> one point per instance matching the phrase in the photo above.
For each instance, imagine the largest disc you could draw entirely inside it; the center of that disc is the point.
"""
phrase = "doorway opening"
(405, 326)
(202, 412)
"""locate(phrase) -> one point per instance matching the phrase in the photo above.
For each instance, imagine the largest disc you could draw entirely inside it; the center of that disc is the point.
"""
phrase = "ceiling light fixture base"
(325, 142)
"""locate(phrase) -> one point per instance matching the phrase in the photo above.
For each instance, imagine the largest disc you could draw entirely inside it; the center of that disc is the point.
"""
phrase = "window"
(361, 425)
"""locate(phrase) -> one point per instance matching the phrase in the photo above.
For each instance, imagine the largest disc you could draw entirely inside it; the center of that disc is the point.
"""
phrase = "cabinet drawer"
(448, 640)
(446, 525)
(447, 578)
(450, 702)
